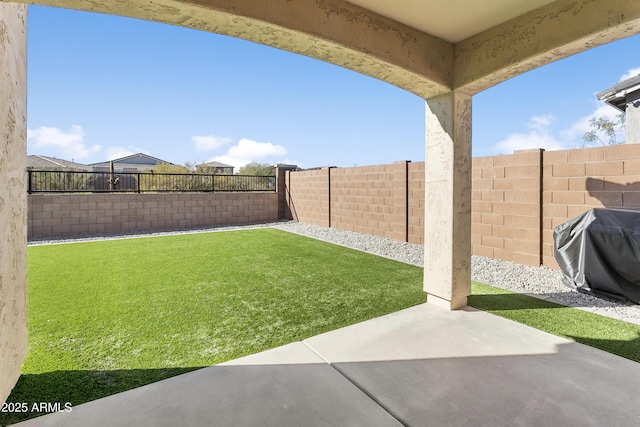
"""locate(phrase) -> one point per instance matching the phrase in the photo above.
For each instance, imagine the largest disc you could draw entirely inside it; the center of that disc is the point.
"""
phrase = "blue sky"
(102, 87)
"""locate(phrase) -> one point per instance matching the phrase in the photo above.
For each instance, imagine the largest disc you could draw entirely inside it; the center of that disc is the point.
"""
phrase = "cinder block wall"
(307, 196)
(506, 194)
(370, 200)
(60, 214)
(517, 199)
(416, 203)
(575, 181)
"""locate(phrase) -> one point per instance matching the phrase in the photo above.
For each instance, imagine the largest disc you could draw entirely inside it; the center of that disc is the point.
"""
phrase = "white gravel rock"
(541, 282)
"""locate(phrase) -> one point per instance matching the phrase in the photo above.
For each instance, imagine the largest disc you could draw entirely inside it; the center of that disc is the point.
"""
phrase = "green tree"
(605, 130)
(170, 168)
(61, 180)
(255, 168)
(168, 177)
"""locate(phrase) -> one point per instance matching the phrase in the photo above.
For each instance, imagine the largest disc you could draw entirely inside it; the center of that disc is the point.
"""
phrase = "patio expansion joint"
(358, 386)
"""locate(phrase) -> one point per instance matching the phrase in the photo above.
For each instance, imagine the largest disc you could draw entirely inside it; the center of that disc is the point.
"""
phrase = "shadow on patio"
(77, 387)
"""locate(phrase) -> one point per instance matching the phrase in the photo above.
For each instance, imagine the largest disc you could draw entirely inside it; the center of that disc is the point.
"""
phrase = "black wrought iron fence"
(48, 181)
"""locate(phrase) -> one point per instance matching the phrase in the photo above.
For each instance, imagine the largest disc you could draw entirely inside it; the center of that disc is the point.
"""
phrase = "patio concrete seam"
(315, 352)
(370, 396)
(358, 386)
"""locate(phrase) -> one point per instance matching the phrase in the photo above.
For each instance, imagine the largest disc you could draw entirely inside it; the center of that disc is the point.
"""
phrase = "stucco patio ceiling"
(451, 20)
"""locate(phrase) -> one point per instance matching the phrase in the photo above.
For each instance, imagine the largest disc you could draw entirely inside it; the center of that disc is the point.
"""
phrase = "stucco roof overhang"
(428, 47)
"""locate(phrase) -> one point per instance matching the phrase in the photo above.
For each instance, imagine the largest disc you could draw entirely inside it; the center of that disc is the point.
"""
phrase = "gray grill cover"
(599, 253)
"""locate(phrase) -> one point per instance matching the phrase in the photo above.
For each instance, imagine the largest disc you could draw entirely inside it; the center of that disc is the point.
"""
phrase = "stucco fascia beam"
(544, 35)
(333, 31)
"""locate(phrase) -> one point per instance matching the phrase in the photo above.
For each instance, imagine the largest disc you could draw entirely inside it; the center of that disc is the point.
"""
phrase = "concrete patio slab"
(423, 366)
(470, 368)
(291, 354)
(426, 332)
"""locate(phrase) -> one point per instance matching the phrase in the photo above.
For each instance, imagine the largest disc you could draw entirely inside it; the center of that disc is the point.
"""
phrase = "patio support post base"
(447, 304)
(447, 239)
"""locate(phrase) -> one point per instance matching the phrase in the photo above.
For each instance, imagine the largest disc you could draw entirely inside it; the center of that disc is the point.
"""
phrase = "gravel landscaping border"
(540, 282)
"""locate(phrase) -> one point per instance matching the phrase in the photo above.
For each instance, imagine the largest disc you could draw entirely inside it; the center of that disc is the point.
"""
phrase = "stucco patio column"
(447, 232)
(13, 195)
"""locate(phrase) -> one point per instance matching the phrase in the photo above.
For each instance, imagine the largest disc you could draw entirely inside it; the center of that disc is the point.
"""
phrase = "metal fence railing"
(54, 181)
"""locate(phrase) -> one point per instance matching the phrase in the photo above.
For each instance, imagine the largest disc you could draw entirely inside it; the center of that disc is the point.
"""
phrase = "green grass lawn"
(108, 316)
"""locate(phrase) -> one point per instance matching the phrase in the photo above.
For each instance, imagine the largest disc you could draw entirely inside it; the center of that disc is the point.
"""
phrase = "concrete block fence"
(382, 200)
(577, 180)
(60, 214)
(517, 199)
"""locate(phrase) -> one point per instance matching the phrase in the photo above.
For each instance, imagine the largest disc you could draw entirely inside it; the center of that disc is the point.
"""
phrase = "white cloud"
(541, 123)
(246, 148)
(525, 141)
(630, 73)
(118, 152)
(247, 151)
(209, 142)
(69, 144)
(538, 137)
(574, 134)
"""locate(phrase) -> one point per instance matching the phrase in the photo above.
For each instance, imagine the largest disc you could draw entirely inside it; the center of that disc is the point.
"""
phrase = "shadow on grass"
(611, 335)
(76, 387)
(503, 302)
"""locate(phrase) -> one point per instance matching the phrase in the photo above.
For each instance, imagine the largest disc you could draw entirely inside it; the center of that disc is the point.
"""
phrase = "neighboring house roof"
(43, 162)
(214, 165)
(135, 159)
(138, 162)
(616, 95)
